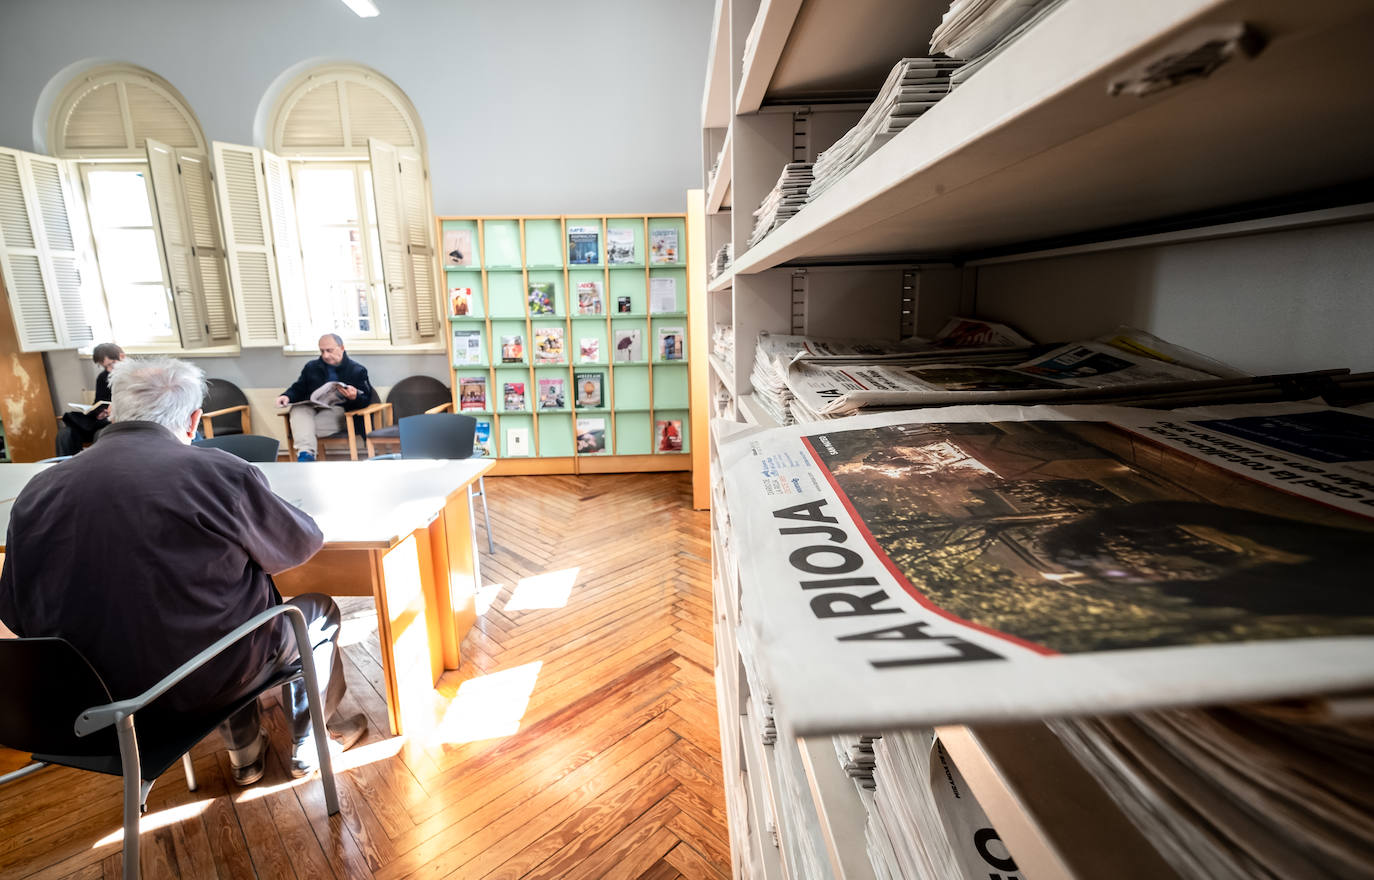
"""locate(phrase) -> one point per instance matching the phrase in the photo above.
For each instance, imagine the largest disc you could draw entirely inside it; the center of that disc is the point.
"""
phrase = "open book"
(87, 407)
(327, 395)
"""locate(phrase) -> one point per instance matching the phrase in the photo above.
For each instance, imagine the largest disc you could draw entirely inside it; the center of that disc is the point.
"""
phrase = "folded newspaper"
(995, 563)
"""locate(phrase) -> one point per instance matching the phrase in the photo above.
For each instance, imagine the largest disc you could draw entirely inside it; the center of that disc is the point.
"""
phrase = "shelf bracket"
(799, 279)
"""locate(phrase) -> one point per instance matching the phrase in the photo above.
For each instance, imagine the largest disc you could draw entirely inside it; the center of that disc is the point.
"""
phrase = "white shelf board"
(1032, 146)
(723, 371)
(715, 99)
(720, 184)
(842, 814)
(756, 414)
(724, 282)
(771, 27)
(1054, 818)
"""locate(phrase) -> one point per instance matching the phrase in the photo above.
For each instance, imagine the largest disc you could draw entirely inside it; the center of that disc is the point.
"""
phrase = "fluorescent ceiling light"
(364, 8)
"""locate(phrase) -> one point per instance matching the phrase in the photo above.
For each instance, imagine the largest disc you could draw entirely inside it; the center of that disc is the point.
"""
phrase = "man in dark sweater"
(144, 550)
(315, 414)
(80, 428)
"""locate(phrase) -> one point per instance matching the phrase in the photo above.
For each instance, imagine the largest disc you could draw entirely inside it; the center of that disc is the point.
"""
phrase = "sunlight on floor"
(488, 707)
(487, 595)
(548, 590)
(382, 750)
(160, 819)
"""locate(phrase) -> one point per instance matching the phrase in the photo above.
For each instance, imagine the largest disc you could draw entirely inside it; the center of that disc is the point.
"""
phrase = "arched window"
(355, 150)
(112, 111)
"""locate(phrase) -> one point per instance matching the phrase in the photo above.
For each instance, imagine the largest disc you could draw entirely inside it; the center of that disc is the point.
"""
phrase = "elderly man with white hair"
(143, 550)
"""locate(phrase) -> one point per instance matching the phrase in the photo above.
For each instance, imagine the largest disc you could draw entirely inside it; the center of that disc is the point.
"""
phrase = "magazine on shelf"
(662, 295)
(548, 345)
(584, 245)
(541, 297)
(623, 305)
(662, 246)
(513, 349)
(984, 563)
(458, 249)
(551, 394)
(517, 442)
(589, 349)
(620, 246)
(670, 343)
(461, 301)
(467, 346)
(668, 434)
(589, 387)
(472, 393)
(513, 396)
(591, 436)
(481, 439)
(589, 297)
(629, 347)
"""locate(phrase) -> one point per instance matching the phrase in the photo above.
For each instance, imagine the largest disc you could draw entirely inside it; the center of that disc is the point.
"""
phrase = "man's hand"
(283, 401)
(348, 391)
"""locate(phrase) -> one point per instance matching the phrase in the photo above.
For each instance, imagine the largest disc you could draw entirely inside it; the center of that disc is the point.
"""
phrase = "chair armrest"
(443, 407)
(242, 407)
(99, 717)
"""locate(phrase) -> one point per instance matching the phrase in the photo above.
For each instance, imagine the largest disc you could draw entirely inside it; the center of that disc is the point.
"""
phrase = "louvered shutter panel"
(286, 240)
(39, 255)
(391, 230)
(207, 248)
(248, 244)
(176, 238)
(419, 225)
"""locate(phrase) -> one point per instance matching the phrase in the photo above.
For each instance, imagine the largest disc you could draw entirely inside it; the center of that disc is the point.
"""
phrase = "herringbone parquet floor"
(581, 740)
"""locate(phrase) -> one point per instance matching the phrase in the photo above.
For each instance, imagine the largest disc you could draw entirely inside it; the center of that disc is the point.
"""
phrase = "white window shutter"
(242, 191)
(207, 248)
(39, 257)
(177, 243)
(397, 271)
(286, 241)
(419, 239)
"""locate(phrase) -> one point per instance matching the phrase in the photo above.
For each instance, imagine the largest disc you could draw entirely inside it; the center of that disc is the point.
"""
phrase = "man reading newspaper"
(329, 387)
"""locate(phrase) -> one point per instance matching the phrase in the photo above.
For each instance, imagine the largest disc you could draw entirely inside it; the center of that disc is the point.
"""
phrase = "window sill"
(183, 353)
(378, 347)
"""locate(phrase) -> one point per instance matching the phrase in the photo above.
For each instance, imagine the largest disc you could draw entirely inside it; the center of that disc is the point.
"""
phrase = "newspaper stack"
(912, 87)
(976, 63)
(1254, 791)
(765, 725)
(919, 787)
(785, 199)
(971, 28)
(723, 344)
(804, 849)
(724, 257)
(715, 167)
(855, 753)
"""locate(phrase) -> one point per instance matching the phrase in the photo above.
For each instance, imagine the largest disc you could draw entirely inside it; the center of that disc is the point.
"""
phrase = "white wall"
(529, 106)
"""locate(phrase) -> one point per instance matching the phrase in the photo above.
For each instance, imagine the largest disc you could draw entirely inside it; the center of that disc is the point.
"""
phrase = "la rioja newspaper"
(986, 563)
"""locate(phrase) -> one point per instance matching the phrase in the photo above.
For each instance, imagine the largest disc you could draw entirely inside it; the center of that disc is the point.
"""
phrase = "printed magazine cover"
(548, 345)
(589, 349)
(623, 305)
(589, 297)
(467, 346)
(584, 245)
(512, 349)
(662, 246)
(620, 246)
(458, 250)
(472, 393)
(461, 297)
(662, 295)
(481, 440)
(551, 395)
(517, 442)
(670, 343)
(629, 348)
(669, 434)
(541, 297)
(591, 436)
(513, 396)
(1025, 562)
(589, 387)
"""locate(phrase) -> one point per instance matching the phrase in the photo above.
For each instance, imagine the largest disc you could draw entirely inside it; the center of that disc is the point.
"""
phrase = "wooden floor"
(581, 740)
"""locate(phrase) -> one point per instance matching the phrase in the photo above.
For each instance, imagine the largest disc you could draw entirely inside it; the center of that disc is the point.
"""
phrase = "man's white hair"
(161, 390)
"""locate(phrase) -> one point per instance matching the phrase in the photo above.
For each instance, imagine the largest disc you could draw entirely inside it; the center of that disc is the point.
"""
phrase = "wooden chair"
(358, 423)
(249, 447)
(225, 410)
(412, 396)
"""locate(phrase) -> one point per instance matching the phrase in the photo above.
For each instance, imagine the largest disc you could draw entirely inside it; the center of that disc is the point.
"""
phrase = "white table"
(399, 531)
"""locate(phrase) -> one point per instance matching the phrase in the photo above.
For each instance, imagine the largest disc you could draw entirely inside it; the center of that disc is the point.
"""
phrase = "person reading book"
(79, 427)
(329, 387)
(144, 550)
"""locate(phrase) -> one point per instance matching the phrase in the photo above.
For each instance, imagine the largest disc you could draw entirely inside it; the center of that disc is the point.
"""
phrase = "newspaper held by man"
(988, 563)
(327, 395)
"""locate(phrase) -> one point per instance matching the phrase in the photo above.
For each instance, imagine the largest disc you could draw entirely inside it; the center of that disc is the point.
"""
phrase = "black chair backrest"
(249, 447)
(437, 435)
(45, 685)
(415, 394)
(220, 393)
